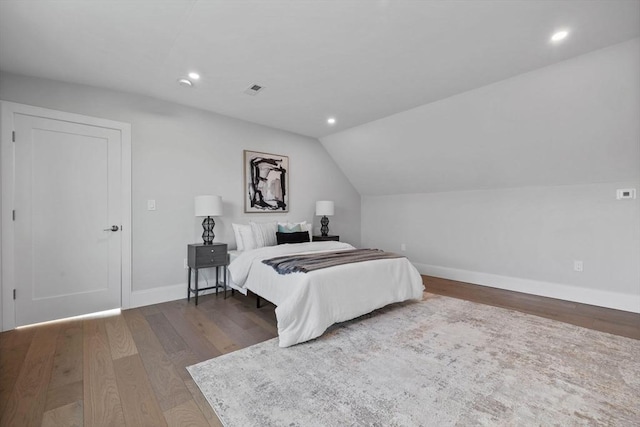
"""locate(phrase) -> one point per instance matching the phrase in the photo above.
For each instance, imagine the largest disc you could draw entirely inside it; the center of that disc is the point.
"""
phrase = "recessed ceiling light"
(331, 120)
(194, 76)
(185, 82)
(559, 35)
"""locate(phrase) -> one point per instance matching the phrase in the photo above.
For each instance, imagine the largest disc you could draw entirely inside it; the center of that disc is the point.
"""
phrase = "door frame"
(7, 165)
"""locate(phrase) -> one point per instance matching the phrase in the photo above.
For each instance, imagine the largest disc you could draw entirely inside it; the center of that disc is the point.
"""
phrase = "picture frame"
(266, 182)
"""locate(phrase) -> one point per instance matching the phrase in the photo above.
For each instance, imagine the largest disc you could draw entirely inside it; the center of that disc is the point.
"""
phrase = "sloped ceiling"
(356, 60)
(574, 122)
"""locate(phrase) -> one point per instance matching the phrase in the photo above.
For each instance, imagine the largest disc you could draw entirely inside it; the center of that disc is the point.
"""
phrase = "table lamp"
(208, 206)
(324, 208)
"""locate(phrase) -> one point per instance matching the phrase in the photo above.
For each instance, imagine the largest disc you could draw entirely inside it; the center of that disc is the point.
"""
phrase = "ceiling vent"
(253, 90)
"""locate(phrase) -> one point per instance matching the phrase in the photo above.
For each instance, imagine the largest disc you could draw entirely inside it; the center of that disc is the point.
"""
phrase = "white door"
(67, 197)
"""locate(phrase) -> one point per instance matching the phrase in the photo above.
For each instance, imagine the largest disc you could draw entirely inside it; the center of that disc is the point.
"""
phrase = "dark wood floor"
(129, 369)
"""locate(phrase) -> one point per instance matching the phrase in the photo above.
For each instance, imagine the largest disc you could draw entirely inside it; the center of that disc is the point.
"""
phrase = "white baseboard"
(163, 294)
(618, 301)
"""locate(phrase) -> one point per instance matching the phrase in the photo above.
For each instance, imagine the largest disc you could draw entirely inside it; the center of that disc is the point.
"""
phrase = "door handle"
(113, 228)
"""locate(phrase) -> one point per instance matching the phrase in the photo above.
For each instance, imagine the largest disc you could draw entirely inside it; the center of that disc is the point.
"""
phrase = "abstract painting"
(266, 179)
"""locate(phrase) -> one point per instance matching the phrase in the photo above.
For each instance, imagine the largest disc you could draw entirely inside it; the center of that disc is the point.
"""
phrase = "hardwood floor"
(129, 369)
(124, 370)
(615, 322)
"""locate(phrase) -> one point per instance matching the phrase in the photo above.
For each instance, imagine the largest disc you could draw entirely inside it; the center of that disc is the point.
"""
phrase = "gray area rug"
(438, 362)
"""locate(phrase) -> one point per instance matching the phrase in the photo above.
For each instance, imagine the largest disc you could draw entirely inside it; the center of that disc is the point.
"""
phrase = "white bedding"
(230, 283)
(308, 303)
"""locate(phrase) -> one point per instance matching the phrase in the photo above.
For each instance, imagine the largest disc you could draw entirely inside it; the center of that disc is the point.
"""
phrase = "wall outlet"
(403, 247)
(577, 265)
(185, 264)
(625, 193)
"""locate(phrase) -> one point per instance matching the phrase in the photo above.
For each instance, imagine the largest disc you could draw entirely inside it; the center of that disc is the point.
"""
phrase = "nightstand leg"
(225, 281)
(217, 281)
(196, 278)
(189, 284)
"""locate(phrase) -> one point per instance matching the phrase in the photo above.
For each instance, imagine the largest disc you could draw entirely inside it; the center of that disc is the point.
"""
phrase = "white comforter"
(308, 303)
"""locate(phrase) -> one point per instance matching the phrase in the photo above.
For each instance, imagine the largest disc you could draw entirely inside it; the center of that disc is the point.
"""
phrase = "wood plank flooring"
(129, 370)
(615, 322)
(125, 370)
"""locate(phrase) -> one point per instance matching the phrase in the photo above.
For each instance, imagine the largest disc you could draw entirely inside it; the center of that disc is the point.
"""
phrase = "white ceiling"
(356, 60)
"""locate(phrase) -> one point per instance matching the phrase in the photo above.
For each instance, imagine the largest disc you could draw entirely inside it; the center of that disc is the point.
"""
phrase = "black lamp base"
(207, 235)
(324, 230)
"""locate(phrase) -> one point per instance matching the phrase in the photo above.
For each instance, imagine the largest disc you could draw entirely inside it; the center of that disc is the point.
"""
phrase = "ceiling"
(357, 61)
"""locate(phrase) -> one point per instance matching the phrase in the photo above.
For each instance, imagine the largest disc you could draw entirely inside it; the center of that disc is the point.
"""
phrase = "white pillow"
(264, 233)
(307, 227)
(247, 237)
(238, 236)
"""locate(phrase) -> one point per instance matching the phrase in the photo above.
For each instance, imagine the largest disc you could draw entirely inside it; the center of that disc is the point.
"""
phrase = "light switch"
(151, 205)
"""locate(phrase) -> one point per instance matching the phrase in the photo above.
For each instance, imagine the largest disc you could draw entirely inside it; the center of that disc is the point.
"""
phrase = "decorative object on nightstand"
(207, 255)
(326, 238)
(208, 206)
(324, 208)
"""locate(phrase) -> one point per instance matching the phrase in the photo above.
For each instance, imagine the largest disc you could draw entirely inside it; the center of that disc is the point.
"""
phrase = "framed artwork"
(266, 182)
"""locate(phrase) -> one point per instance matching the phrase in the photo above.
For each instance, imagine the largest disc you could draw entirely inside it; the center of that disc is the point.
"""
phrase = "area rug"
(437, 362)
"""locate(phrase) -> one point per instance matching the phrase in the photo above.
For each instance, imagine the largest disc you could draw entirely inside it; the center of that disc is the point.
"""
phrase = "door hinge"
(13, 136)
(13, 214)
(14, 294)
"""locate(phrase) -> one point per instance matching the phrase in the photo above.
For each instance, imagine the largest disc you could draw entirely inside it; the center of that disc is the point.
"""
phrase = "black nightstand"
(325, 238)
(207, 256)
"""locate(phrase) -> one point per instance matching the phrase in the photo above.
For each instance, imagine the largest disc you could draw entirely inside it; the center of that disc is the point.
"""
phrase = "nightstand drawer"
(207, 255)
(326, 238)
(210, 257)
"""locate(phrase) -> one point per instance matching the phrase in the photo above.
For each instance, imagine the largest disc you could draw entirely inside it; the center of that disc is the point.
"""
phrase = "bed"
(308, 303)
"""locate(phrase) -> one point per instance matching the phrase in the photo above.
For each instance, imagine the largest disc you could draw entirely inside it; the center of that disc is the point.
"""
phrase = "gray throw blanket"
(310, 262)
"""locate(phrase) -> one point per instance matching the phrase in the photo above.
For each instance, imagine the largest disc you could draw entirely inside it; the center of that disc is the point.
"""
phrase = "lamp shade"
(208, 205)
(324, 207)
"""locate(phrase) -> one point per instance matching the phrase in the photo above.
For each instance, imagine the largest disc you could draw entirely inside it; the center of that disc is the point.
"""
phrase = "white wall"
(522, 239)
(179, 152)
(506, 185)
